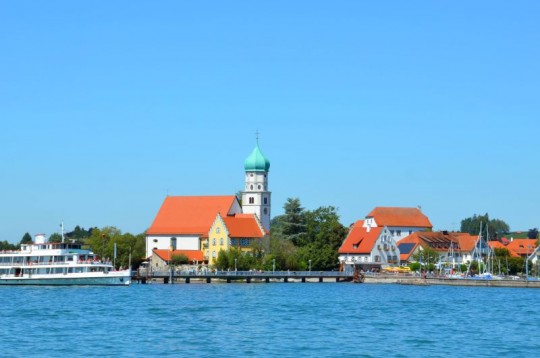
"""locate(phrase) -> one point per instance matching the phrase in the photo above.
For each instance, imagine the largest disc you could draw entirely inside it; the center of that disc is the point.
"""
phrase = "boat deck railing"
(30, 264)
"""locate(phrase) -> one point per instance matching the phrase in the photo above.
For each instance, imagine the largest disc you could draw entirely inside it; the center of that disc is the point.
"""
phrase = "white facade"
(256, 197)
(383, 252)
(179, 242)
(398, 232)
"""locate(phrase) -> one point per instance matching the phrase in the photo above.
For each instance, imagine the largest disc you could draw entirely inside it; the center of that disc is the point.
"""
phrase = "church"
(201, 226)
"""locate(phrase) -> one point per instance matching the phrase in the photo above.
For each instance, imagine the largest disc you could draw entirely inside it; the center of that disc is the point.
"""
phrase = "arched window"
(265, 200)
(251, 200)
(265, 210)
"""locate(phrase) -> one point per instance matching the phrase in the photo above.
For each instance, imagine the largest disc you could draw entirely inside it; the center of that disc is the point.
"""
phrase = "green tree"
(284, 253)
(427, 255)
(179, 259)
(533, 233)
(496, 227)
(4, 245)
(323, 226)
(128, 246)
(79, 234)
(26, 239)
(235, 259)
(56, 237)
(293, 223)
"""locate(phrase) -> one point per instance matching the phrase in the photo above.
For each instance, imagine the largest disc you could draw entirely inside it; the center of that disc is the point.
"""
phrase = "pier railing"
(144, 275)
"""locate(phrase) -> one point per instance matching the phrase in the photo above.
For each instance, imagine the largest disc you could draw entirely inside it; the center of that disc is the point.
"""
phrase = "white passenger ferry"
(48, 263)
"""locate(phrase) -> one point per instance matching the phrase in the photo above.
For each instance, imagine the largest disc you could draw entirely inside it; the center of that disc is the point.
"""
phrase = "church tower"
(256, 197)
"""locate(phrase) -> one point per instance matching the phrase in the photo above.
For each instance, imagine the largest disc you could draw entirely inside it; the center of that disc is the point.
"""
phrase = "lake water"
(265, 320)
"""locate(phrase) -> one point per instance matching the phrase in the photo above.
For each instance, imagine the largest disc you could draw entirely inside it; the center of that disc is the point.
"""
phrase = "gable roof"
(522, 247)
(406, 249)
(359, 240)
(192, 255)
(243, 225)
(190, 214)
(442, 241)
(401, 217)
(467, 242)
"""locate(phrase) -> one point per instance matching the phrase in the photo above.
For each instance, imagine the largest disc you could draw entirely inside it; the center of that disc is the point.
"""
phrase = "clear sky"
(108, 106)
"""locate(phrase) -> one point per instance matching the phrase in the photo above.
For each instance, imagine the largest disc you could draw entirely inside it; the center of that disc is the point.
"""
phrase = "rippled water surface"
(276, 319)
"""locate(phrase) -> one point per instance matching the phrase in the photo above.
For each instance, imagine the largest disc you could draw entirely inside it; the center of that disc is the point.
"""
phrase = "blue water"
(264, 320)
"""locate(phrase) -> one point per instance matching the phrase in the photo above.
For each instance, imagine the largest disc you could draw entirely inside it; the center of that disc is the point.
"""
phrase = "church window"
(251, 175)
(265, 199)
(265, 211)
(251, 187)
(259, 187)
(251, 200)
(155, 240)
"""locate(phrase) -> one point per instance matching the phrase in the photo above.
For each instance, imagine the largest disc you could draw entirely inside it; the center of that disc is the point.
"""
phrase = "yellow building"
(238, 230)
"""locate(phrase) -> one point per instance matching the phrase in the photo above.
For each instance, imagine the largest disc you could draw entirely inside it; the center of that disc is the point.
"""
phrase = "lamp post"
(235, 264)
(273, 265)
(309, 265)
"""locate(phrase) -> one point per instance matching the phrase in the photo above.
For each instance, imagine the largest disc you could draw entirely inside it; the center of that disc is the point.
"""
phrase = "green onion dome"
(256, 162)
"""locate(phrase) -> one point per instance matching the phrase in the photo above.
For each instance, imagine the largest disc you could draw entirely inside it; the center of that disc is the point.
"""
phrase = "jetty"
(144, 276)
(170, 277)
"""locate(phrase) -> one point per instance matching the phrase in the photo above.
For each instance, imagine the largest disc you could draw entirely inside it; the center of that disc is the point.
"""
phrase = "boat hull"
(116, 278)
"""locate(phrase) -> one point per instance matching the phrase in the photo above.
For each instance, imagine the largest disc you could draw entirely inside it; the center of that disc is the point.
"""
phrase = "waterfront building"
(367, 247)
(522, 247)
(451, 247)
(161, 259)
(241, 231)
(401, 222)
(186, 222)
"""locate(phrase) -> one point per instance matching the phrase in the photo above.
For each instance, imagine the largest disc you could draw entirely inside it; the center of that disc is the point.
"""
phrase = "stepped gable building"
(239, 231)
(185, 223)
(400, 221)
(367, 247)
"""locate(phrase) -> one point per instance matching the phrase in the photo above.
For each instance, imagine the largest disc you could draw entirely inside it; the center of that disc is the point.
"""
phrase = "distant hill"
(516, 235)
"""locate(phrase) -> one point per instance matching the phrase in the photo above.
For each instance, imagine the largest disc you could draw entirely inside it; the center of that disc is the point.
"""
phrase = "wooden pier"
(169, 277)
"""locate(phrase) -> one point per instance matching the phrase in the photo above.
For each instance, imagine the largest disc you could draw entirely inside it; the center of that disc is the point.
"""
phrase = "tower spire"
(257, 136)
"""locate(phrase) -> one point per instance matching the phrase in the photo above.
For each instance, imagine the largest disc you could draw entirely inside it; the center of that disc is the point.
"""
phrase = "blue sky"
(107, 107)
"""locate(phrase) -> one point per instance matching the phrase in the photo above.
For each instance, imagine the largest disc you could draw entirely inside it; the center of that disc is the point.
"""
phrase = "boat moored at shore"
(48, 263)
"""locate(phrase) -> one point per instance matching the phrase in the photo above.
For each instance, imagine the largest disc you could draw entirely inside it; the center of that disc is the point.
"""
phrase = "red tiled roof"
(243, 225)
(441, 241)
(522, 247)
(192, 255)
(189, 214)
(500, 245)
(363, 240)
(401, 217)
(466, 241)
